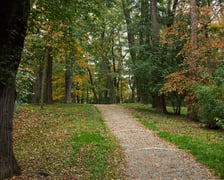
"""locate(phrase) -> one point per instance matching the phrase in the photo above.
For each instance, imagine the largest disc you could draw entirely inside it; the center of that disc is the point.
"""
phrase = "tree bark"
(159, 100)
(142, 95)
(160, 104)
(194, 24)
(8, 163)
(37, 88)
(13, 23)
(43, 85)
(155, 27)
(48, 89)
(110, 83)
(92, 86)
(131, 39)
(192, 114)
(68, 84)
(68, 87)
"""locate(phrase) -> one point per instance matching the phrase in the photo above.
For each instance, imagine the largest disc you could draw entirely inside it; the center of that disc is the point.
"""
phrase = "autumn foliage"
(201, 64)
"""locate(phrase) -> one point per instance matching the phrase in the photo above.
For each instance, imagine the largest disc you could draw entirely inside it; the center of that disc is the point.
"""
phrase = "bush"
(211, 105)
(24, 85)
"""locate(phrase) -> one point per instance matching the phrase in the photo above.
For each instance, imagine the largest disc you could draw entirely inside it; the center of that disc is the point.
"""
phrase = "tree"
(192, 114)
(14, 16)
(201, 54)
(68, 83)
(158, 100)
(126, 6)
(48, 94)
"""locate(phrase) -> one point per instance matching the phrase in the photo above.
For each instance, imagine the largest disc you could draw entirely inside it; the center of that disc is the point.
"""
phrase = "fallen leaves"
(43, 142)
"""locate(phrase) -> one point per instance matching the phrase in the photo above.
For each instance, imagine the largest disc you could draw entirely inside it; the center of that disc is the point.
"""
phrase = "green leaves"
(24, 85)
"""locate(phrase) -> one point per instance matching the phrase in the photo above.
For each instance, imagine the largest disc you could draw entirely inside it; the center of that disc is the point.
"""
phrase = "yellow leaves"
(81, 79)
(82, 63)
(58, 86)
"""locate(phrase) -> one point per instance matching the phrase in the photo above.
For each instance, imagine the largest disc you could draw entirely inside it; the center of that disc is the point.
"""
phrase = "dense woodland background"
(164, 52)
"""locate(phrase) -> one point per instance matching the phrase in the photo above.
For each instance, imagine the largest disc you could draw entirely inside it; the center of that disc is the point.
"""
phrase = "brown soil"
(148, 156)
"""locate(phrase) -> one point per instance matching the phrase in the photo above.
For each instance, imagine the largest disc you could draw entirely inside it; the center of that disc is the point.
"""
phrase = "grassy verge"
(206, 145)
(65, 142)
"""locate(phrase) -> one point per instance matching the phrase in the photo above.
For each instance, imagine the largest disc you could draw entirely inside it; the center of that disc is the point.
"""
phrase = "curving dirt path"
(148, 156)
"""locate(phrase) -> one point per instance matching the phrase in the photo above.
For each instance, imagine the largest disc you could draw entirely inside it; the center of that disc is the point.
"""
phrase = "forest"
(167, 53)
(162, 53)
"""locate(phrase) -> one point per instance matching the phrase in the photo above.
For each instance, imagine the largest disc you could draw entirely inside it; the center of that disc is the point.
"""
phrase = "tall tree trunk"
(87, 95)
(68, 84)
(93, 87)
(159, 100)
(160, 104)
(131, 42)
(192, 114)
(132, 85)
(43, 84)
(8, 163)
(139, 82)
(121, 91)
(13, 31)
(194, 25)
(131, 39)
(37, 88)
(48, 94)
(155, 27)
(110, 83)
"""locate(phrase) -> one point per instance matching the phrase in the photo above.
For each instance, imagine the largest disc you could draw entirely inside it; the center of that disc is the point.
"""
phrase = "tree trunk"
(155, 27)
(68, 84)
(131, 42)
(131, 38)
(8, 163)
(121, 91)
(37, 88)
(93, 87)
(110, 83)
(139, 90)
(159, 101)
(13, 31)
(87, 95)
(194, 26)
(43, 85)
(160, 104)
(48, 94)
(115, 79)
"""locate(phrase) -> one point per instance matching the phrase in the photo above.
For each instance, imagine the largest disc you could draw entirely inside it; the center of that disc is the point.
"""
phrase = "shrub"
(211, 105)
(24, 85)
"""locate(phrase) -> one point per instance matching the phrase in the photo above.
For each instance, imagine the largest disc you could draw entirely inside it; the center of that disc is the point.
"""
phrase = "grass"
(67, 142)
(206, 145)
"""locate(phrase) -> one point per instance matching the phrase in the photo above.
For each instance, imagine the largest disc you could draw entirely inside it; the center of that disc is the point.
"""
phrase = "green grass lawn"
(206, 145)
(67, 142)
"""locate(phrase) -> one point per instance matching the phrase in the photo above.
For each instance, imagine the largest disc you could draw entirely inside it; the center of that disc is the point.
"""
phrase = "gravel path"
(148, 156)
